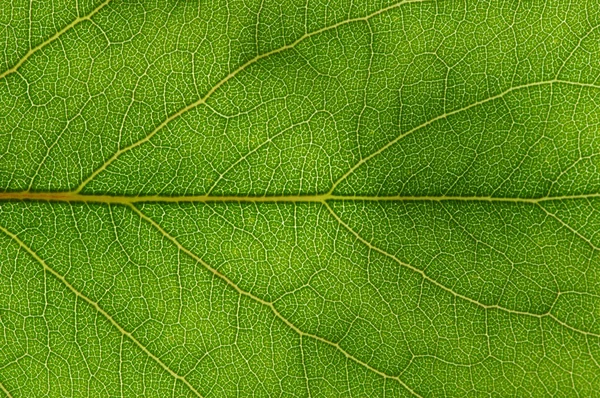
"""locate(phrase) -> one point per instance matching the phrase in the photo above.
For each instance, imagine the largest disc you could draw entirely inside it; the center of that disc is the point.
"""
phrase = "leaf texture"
(299, 198)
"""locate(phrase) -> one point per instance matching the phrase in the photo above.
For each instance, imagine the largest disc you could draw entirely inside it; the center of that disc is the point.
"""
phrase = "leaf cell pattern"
(299, 198)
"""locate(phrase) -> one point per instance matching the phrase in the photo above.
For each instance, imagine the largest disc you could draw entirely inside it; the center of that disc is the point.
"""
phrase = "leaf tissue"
(299, 198)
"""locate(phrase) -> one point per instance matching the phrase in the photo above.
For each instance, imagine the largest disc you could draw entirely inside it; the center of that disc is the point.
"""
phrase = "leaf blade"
(281, 198)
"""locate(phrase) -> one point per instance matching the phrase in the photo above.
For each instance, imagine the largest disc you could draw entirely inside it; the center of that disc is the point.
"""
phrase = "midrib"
(126, 200)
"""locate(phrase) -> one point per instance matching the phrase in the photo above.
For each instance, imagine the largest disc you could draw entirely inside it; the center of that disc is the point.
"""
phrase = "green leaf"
(299, 198)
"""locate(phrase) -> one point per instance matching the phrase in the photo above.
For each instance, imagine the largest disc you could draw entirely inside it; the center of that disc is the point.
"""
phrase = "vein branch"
(97, 307)
(571, 229)
(5, 391)
(53, 38)
(268, 304)
(447, 289)
(448, 114)
(227, 78)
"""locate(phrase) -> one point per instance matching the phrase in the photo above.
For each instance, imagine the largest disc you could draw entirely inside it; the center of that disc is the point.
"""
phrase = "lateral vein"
(268, 304)
(230, 76)
(52, 38)
(451, 291)
(97, 307)
(448, 114)
(5, 391)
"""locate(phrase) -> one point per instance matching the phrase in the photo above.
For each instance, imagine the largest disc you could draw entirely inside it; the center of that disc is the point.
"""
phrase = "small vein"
(256, 149)
(52, 38)
(502, 254)
(567, 226)
(5, 391)
(97, 307)
(304, 367)
(268, 304)
(231, 75)
(577, 47)
(449, 290)
(448, 114)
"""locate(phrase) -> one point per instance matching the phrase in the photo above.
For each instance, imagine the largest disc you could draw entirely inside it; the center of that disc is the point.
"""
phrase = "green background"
(432, 171)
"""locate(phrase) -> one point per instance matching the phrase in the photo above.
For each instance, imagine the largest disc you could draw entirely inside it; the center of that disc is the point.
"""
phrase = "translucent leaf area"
(282, 198)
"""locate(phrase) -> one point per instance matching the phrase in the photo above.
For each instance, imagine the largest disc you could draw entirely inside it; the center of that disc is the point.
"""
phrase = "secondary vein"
(451, 291)
(446, 115)
(97, 307)
(230, 76)
(268, 304)
(52, 38)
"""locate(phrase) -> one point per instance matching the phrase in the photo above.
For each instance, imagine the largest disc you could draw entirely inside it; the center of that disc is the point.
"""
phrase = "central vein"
(127, 200)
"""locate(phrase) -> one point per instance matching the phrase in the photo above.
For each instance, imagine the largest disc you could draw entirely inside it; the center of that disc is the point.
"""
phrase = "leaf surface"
(285, 198)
